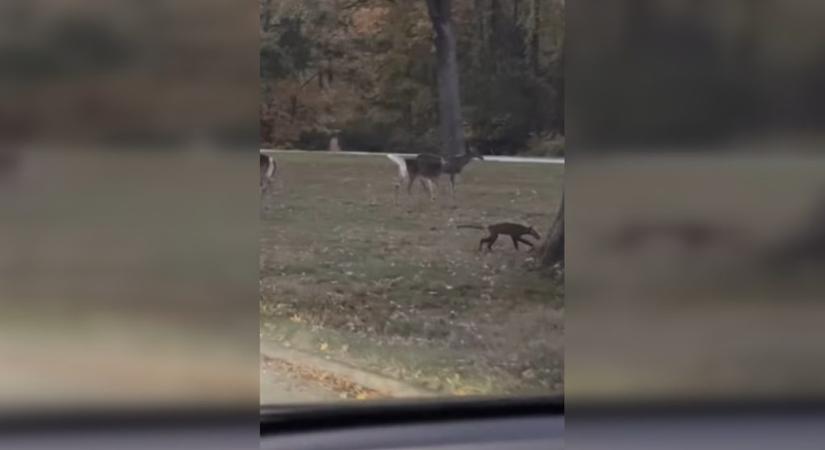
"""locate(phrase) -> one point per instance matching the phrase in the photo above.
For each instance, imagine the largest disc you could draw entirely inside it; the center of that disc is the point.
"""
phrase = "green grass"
(399, 286)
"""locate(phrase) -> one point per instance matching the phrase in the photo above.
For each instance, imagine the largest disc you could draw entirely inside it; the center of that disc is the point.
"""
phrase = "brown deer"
(429, 168)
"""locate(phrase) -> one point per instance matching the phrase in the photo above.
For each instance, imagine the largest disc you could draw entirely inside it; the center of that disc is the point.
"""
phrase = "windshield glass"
(402, 254)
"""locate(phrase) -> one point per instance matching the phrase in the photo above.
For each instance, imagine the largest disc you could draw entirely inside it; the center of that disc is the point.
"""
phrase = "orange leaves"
(344, 387)
(369, 21)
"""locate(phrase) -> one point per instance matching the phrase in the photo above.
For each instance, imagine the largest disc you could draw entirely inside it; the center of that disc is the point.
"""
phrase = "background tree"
(449, 99)
(368, 71)
(552, 251)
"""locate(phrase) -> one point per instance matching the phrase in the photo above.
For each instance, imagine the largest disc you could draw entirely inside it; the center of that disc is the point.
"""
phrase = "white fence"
(514, 159)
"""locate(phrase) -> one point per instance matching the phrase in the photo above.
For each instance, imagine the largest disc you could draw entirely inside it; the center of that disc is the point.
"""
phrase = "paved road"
(512, 159)
(283, 389)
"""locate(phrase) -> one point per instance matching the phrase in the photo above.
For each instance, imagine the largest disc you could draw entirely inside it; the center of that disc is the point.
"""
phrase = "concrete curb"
(394, 388)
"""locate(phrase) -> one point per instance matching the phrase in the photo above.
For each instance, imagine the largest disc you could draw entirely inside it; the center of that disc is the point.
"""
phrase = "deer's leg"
(437, 181)
(264, 184)
(431, 188)
(397, 184)
(515, 241)
(398, 181)
(410, 182)
(452, 184)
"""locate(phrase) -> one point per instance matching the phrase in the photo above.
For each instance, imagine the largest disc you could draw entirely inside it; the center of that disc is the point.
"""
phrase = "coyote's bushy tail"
(473, 226)
(402, 166)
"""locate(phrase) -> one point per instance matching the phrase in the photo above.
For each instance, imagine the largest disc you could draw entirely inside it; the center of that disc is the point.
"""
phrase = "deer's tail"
(402, 166)
(473, 226)
(271, 166)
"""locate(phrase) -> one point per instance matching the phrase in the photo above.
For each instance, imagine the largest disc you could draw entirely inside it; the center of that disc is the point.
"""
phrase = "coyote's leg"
(525, 241)
(490, 240)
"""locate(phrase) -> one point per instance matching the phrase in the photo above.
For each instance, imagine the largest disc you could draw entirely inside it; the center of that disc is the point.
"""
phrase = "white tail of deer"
(403, 173)
(268, 167)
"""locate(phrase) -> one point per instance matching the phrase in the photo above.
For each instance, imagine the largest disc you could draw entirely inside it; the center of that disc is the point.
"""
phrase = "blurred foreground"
(126, 280)
(129, 213)
(696, 187)
(703, 274)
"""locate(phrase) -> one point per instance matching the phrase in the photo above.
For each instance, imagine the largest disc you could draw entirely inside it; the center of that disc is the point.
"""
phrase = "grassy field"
(398, 289)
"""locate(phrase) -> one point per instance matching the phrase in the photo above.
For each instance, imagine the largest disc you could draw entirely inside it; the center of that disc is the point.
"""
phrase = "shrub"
(314, 140)
(363, 136)
(546, 145)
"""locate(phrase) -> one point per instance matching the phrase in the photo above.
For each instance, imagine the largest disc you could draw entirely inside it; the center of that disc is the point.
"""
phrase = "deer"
(429, 167)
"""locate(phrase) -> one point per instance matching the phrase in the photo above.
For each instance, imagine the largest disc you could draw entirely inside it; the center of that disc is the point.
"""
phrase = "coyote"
(514, 230)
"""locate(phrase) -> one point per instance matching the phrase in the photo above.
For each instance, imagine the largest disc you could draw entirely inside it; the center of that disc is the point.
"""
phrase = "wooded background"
(365, 71)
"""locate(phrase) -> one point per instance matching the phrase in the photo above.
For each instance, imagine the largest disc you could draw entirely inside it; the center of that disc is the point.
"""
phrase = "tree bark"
(449, 99)
(552, 252)
(480, 40)
(494, 47)
(535, 49)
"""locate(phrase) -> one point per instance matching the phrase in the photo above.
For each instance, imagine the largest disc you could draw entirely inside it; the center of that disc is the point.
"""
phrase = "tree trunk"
(480, 40)
(266, 15)
(293, 107)
(552, 251)
(494, 46)
(449, 100)
(535, 47)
